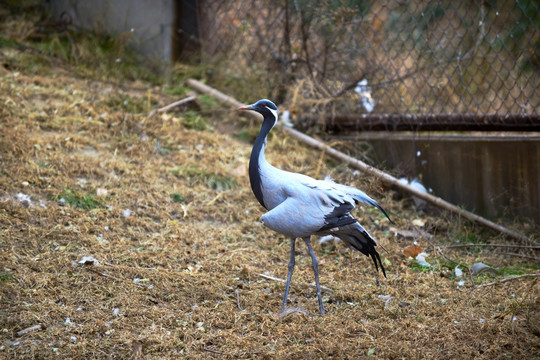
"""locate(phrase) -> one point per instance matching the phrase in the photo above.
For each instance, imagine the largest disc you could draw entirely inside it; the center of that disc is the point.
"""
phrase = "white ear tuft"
(275, 113)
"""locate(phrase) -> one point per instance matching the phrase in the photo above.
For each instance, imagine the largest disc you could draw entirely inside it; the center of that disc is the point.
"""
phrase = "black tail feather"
(359, 239)
(380, 262)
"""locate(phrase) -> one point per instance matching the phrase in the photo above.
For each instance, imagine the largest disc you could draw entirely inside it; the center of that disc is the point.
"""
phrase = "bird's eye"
(263, 105)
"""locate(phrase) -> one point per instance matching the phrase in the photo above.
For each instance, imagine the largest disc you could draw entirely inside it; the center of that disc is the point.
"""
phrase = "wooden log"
(360, 165)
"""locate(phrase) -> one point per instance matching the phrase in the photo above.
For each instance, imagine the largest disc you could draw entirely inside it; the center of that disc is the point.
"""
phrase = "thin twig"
(138, 268)
(104, 274)
(191, 97)
(214, 351)
(513, 309)
(513, 277)
(238, 299)
(283, 281)
(211, 202)
(457, 263)
(117, 279)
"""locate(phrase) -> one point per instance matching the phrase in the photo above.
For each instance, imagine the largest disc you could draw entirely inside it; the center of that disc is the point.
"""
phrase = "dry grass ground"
(164, 205)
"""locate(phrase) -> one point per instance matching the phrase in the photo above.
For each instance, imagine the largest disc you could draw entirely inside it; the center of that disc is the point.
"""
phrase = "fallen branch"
(191, 97)
(513, 277)
(324, 288)
(221, 97)
(523, 256)
(360, 165)
(493, 245)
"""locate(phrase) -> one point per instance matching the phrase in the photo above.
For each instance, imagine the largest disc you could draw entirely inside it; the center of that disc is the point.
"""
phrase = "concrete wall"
(150, 21)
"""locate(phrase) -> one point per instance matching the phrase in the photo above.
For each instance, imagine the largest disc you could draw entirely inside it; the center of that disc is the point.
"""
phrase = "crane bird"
(300, 206)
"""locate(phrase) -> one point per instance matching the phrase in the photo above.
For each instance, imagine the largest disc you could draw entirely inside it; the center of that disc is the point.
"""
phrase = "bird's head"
(264, 107)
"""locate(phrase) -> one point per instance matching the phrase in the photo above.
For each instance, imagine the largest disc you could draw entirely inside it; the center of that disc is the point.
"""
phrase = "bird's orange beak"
(244, 107)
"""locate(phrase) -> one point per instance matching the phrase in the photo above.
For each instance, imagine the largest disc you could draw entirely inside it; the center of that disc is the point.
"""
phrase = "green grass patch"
(194, 121)
(6, 277)
(178, 91)
(89, 53)
(437, 264)
(208, 102)
(519, 269)
(414, 265)
(469, 238)
(127, 104)
(196, 174)
(176, 197)
(79, 200)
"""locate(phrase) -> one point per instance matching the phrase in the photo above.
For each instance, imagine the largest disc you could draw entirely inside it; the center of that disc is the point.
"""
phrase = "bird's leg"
(289, 274)
(315, 265)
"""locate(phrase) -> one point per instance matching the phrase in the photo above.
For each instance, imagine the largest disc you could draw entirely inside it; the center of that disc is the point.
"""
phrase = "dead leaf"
(412, 251)
(244, 271)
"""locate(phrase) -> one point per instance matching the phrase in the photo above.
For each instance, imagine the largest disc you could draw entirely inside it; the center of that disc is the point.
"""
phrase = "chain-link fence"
(387, 57)
(405, 65)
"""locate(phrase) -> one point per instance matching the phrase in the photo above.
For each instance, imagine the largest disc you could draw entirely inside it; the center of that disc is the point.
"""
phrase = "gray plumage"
(300, 206)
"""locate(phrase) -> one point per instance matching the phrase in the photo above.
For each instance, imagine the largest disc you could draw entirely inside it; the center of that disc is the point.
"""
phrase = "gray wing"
(295, 217)
(322, 207)
(341, 224)
(342, 194)
(311, 206)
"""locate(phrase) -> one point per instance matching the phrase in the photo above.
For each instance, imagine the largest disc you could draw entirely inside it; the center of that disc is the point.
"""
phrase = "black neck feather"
(254, 166)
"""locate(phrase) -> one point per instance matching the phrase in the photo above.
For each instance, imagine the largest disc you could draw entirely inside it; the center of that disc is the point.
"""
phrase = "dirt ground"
(185, 267)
